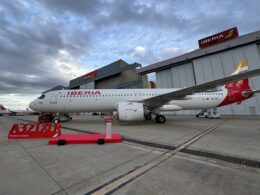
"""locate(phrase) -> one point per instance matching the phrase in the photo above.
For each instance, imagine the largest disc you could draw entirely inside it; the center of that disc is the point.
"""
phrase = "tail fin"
(242, 66)
(2, 107)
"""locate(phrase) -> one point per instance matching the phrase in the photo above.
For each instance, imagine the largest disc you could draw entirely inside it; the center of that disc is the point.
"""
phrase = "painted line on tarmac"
(198, 152)
(116, 184)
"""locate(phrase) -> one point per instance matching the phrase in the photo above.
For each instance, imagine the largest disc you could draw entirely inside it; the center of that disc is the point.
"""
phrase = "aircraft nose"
(32, 105)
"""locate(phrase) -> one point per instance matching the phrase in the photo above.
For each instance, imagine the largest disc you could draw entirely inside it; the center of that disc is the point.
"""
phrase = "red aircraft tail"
(2, 107)
(238, 90)
(242, 85)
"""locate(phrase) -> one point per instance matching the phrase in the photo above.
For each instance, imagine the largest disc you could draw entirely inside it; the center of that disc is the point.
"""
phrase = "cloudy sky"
(48, 42)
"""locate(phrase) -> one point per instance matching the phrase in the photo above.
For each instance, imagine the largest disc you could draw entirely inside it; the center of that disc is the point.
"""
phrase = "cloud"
(171, 52)
(46, 43)
(30, 53)
(86, 8)
(144, 55)
(140, 50)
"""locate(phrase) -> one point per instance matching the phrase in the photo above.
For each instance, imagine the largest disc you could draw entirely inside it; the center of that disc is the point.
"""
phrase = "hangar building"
(117, 75)
(212, 61)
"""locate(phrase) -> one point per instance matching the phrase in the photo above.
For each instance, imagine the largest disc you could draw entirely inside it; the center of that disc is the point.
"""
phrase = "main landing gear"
(158, 117)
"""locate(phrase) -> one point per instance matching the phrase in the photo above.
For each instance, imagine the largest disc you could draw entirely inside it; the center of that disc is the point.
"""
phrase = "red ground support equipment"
(86, 138)
(34, 130)
(100, 139)
(45, 118)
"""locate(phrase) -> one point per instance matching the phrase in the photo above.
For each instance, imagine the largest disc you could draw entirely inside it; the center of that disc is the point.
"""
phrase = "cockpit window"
(41, 97)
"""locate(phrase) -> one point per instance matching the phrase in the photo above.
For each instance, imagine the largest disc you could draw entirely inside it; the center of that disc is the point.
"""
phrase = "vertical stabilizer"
(241, 85)
(2, 107)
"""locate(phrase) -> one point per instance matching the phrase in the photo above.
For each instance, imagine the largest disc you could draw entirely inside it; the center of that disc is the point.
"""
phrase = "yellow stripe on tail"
(242, 66)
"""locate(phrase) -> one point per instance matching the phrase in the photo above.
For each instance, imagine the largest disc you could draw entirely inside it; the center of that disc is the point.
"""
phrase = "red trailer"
(45, 117)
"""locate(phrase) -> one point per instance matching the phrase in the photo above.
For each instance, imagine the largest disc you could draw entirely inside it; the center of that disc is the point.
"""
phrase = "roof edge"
(241, 40)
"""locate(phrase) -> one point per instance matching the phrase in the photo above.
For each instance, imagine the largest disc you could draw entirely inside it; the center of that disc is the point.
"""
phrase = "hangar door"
(90, 85)
(221, 65)
(176, 77)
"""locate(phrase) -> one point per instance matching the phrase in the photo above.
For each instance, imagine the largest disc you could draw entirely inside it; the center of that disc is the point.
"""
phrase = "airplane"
(4, 111)
(141, 104)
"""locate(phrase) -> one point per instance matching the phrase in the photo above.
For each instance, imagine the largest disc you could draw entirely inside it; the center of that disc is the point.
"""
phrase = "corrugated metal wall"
(213, 67)
(90, 85)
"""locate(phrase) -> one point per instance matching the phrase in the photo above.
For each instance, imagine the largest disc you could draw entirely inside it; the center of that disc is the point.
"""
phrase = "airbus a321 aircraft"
(140, 104)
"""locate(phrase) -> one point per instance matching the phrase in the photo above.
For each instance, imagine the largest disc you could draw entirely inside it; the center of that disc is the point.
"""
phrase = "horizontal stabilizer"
(254, 92)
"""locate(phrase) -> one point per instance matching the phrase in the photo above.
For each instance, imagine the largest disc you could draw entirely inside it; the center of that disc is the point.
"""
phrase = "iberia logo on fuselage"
(83, 93)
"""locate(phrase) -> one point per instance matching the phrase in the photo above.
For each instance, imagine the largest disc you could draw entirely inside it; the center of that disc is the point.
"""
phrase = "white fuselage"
(105, 100)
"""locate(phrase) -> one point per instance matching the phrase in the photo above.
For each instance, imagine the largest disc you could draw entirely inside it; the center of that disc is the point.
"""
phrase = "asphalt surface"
(34, 167)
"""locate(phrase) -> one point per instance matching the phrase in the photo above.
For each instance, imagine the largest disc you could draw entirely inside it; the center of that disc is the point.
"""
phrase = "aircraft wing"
(160, 100)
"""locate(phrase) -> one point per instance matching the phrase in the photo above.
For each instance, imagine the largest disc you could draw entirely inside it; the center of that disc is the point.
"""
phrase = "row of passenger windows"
(107, 95)
(209, 93)
(121, 95)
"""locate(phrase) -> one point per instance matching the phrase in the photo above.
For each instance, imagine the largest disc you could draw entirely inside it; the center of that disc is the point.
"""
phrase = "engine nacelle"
(130, 111)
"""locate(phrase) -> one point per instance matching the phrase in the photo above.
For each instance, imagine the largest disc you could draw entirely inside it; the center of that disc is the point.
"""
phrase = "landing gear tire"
(101, 142)
(61, 142)
(56, 120)
(160, 119)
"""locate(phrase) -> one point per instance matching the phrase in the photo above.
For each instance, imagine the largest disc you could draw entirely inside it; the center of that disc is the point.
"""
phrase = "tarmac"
(34, 167)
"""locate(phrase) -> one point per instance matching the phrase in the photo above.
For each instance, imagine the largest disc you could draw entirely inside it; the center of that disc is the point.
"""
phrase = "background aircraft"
(4, 111)
(140, 104)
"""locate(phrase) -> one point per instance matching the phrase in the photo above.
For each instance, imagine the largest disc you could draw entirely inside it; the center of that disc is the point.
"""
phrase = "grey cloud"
(143, 15)
(148, 57)
(86, 8)
(105, 13)
(29, 49)
(13, 8)
(223, 15)
(21, 83)
(203, 17)
(25, 51)
(30, 42)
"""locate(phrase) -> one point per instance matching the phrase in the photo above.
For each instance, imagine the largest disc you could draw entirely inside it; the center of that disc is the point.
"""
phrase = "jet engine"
(130, 111)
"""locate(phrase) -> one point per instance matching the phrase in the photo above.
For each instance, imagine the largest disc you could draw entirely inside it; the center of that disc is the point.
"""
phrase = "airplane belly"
(171, 107)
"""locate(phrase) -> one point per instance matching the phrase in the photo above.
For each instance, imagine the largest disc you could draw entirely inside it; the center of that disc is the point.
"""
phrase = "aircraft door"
(137, 95)
(53, 99)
